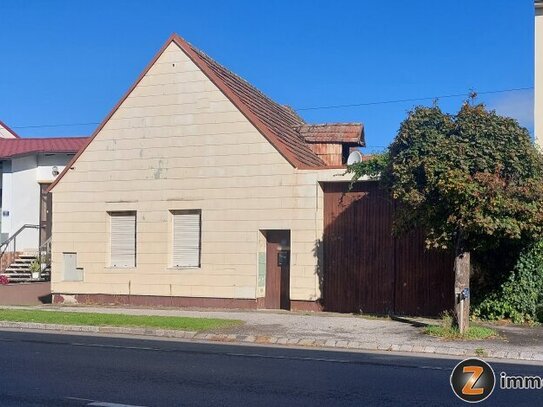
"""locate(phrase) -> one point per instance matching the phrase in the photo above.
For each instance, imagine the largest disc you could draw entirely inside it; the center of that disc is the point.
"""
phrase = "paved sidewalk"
(324, 330)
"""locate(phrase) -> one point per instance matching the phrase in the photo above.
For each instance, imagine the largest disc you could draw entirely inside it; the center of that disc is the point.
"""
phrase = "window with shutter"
(123, 239)
(186, 238)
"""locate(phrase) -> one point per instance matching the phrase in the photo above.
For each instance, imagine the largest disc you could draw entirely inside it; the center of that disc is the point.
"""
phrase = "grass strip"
(473, 332)
(115, 320)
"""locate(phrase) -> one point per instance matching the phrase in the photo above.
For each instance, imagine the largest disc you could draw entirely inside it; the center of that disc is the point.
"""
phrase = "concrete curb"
(274, 340)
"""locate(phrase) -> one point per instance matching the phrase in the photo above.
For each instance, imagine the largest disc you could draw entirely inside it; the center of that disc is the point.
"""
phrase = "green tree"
(471, 180)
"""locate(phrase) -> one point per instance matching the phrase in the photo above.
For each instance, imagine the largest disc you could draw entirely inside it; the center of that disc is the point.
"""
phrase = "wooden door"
(277, 269)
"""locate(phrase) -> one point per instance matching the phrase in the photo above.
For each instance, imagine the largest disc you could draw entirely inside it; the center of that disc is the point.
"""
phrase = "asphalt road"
(39, 369)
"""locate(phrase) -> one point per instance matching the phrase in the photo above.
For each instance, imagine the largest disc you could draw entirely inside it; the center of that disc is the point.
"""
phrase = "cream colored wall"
(178, 143)
(538, 108)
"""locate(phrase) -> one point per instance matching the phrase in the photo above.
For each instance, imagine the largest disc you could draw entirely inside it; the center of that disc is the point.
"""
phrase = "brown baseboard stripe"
(175, 302)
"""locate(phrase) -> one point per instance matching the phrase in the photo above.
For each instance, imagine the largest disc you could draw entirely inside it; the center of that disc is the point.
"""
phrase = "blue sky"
(68, 62)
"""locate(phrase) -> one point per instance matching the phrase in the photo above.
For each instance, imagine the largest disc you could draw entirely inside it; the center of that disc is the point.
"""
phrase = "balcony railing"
(11, 242)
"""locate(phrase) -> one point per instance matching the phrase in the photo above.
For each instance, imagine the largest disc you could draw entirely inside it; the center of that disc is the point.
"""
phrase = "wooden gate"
(367, 269)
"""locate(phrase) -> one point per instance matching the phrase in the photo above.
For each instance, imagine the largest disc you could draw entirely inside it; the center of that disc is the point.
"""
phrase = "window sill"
(120, 268)
(179, 268)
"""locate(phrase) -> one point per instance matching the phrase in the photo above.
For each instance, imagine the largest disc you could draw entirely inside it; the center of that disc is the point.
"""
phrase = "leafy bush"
(520, 297)
(472, 181)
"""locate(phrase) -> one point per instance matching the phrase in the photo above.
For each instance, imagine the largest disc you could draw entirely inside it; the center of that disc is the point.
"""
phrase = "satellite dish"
(354, 157)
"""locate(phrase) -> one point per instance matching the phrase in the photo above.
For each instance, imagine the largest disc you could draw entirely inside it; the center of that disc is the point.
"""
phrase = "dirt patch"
(521, 335)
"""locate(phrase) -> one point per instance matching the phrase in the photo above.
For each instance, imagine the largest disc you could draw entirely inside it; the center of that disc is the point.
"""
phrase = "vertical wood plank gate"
(367, 269)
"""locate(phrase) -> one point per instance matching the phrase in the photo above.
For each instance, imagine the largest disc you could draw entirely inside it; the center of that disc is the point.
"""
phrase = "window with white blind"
(123, 239)
(186, 238)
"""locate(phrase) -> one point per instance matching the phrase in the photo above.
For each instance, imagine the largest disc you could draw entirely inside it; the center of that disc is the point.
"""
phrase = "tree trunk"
(461, 286)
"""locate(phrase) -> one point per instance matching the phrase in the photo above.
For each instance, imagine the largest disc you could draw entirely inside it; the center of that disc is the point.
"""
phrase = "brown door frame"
(46, 212)
(277, 269)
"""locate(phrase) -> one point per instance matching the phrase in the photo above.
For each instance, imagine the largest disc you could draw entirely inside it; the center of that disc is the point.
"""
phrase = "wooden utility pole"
(461, 290)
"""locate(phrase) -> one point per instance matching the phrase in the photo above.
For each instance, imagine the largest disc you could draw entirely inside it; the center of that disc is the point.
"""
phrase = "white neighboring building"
(27, 167)
(538, 57)
(6, 132)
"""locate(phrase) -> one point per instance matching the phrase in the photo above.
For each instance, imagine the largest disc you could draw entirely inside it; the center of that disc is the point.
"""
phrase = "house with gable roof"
(199, 190)
(27, 168)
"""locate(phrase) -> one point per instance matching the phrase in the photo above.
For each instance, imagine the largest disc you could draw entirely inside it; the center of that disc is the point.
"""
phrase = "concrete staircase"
(19, 270)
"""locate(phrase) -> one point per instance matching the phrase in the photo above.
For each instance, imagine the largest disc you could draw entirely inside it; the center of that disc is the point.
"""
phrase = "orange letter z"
(476, 372)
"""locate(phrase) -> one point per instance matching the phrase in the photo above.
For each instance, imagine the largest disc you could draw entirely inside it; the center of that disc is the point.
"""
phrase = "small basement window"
(123, 239)
(186, 242)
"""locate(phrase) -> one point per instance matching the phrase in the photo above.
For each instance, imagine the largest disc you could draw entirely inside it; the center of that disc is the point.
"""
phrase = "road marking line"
(98, 345)
(376, 362)
(97, 403)
(78, 399)
(433, 368)
(260, 356)
(106, 404)
(254, 355)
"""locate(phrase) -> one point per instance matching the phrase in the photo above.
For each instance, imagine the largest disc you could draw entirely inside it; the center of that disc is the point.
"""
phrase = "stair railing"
(45, 254)
(13, 239)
